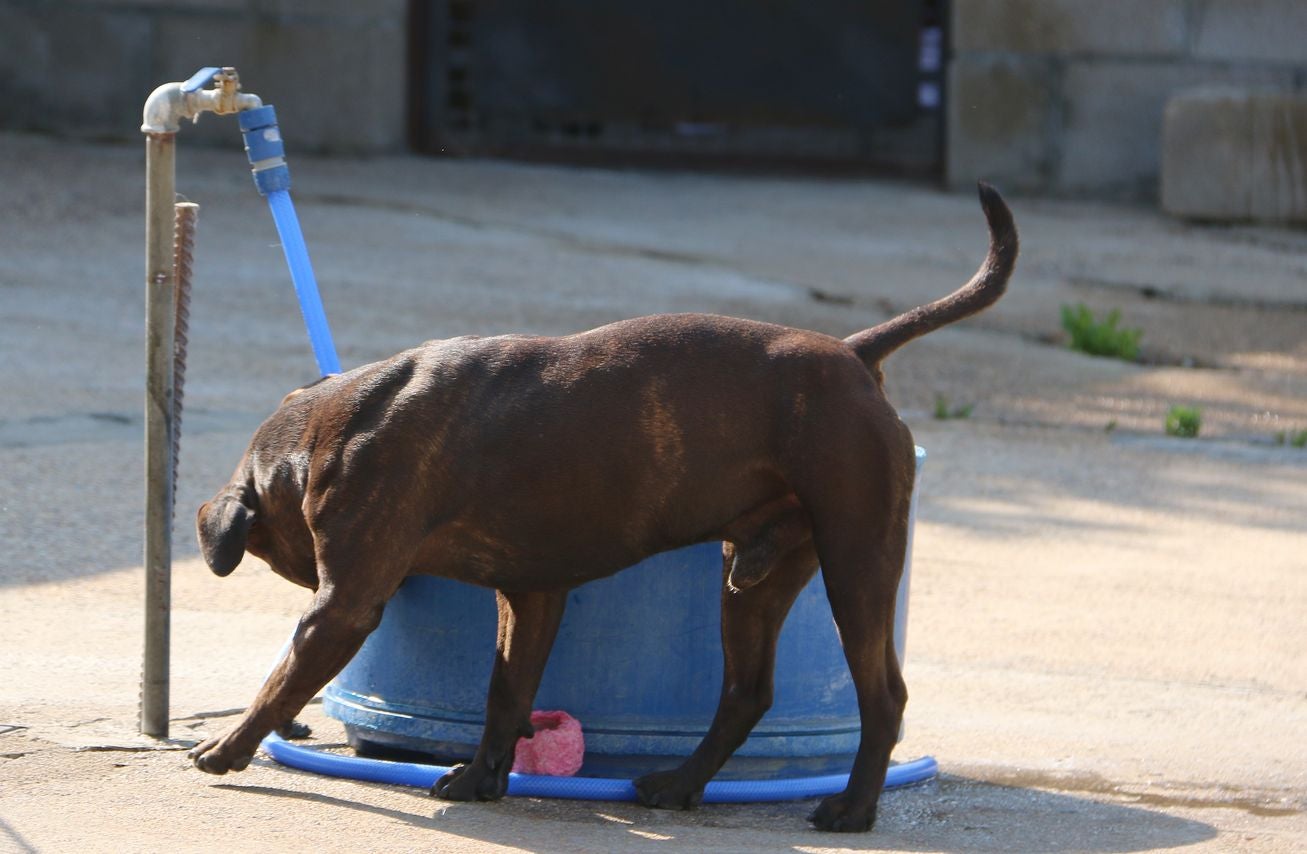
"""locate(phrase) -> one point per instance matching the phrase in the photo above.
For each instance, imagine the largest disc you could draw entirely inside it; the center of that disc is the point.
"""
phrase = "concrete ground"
(1107, 633)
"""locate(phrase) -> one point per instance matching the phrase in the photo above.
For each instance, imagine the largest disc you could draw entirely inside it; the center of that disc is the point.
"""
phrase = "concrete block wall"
(335, 70)
(1067, 96)
(1230, 155)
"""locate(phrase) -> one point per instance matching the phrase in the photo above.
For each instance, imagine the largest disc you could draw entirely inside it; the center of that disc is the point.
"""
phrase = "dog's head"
(259, 510)
(222, 526)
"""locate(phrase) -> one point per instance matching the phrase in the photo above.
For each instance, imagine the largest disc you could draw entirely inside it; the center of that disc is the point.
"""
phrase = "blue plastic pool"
(637, 661)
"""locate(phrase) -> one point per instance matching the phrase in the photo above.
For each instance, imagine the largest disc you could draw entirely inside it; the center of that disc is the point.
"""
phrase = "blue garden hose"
(424, 776)
(582, 788)
(271, 175)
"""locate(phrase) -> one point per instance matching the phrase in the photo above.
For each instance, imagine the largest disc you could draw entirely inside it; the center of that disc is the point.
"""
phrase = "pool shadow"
(950, 814)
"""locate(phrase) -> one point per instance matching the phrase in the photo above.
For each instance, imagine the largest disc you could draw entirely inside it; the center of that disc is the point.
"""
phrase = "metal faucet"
(172, 102)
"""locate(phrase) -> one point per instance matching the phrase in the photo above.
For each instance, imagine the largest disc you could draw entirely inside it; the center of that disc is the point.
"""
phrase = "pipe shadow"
(12, 840)
(951, 814)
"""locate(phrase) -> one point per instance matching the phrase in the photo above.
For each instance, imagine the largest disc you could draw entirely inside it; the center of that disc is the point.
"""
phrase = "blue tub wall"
(637, 660)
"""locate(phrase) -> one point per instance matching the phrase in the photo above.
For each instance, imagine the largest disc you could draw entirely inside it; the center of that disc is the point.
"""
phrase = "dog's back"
(619, 426)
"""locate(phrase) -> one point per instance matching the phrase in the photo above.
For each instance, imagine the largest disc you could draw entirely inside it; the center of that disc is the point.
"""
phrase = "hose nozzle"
(265, 150)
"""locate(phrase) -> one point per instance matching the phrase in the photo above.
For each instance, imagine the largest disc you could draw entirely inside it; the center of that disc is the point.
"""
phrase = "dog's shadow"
(951, 814)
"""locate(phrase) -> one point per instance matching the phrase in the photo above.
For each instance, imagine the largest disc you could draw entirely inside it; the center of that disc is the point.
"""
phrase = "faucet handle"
(199, 78)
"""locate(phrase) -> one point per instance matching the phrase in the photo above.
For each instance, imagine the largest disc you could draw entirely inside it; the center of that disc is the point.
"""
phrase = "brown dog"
(532, 465)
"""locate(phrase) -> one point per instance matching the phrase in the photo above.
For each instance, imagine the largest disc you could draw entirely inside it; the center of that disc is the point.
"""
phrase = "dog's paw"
(218, 756)
(472, 782)
(294, 730)
(667, 790)
(837, 815)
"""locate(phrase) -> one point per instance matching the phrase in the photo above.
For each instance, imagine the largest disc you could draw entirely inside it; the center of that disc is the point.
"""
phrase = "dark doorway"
(752, 82)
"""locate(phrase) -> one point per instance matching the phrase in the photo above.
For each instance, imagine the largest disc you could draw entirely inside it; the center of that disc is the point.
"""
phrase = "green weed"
(944, 413)
(1184, 421)
(1100, 337)
(1297, 439)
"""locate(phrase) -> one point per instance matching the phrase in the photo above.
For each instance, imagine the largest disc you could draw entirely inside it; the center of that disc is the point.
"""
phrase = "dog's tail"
(984, 289)
(223, 525)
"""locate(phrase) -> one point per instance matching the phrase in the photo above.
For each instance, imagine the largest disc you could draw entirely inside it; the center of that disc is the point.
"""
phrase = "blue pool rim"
(583, 788)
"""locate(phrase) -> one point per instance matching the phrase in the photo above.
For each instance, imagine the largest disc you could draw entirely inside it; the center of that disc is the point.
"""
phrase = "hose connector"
(265, 150)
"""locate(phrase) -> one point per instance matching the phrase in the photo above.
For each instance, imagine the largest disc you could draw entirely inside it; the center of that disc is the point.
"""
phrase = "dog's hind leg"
(861, 533)
(528, 623)
(751, 623)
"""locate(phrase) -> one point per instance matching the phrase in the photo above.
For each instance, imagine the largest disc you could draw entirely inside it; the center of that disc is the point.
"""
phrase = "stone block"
(1234, 154)
(338, 83)
(335, 70)
(74, 70)
(1251, 30)
(1110, 142)
(319, 9)
(338, 10)
(24, 65)
(1137, 28)
(201, 7)
(1000, 113)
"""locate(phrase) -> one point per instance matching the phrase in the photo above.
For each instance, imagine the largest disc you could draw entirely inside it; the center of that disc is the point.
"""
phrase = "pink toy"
(557, 748)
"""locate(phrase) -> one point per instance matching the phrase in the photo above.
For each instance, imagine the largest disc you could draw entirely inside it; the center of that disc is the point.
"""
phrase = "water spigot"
(172, 102)
(227, 87)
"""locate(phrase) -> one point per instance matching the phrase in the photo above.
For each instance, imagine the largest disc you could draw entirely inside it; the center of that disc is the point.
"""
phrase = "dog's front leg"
(327, 637)
(528, 623)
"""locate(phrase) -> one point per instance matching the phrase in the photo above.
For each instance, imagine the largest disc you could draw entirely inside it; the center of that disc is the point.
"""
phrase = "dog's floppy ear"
(222, 526)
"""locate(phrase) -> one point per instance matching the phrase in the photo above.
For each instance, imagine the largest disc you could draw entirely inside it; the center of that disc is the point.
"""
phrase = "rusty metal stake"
(182, 253)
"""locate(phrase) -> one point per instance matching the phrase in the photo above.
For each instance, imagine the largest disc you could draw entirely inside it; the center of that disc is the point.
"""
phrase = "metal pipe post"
(161, 119)
(160, 322)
